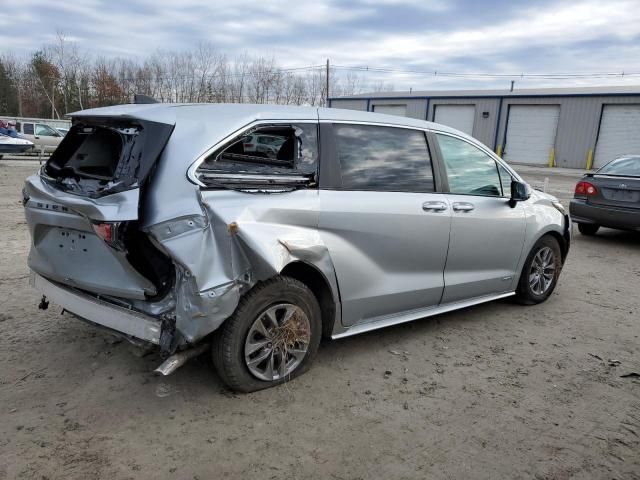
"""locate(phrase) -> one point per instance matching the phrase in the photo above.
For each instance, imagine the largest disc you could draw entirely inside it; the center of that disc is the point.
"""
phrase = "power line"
(143, 75)
(151, 75)
(436, 73)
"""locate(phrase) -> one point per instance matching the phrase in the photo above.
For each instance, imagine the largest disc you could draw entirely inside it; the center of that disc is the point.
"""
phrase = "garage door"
(460, 117)
(619, 133)
(391, 109)
(531, 133)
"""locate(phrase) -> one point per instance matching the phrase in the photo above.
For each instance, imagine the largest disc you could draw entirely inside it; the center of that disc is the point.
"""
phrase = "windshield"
(626, 166)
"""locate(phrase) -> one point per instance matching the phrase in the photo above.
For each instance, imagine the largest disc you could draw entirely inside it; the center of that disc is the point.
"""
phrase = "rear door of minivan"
(84, 207)
(386, 228)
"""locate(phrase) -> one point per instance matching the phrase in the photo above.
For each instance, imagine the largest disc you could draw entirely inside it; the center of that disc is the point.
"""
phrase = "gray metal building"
(563, 127)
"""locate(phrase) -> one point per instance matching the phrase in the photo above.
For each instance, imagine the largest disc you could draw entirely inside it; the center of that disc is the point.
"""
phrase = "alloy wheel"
(542, 272)
(277, 342)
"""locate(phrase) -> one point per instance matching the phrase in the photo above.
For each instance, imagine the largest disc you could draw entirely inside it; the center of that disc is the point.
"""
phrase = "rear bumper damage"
(119, 319)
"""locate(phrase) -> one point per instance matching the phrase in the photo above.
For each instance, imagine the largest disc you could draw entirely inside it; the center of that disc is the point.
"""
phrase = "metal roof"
(518, 92)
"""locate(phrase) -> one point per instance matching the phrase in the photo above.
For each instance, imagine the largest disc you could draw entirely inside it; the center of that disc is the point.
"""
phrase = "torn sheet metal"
(235, 243)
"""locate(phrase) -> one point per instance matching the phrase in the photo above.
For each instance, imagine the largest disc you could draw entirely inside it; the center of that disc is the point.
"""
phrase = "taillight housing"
(585, 189)
(108, 231)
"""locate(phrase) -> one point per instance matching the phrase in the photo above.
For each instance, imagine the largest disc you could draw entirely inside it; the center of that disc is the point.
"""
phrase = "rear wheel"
(588, 228)
(272, 337)
(540, 272)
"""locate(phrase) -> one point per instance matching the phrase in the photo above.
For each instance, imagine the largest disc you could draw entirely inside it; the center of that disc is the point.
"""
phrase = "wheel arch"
(562, 241)
(317, 282)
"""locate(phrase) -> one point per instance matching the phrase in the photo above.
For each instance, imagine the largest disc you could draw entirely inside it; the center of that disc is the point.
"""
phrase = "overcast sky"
(506, 36)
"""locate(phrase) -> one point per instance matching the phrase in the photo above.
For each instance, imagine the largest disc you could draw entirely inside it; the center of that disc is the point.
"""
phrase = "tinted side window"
(383, 159)
(28, 128)
(470, 171)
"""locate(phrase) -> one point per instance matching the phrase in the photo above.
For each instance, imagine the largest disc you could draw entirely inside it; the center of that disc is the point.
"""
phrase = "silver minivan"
(165, 224)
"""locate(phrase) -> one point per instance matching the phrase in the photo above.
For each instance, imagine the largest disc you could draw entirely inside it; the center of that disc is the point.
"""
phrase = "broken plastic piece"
(44, 304)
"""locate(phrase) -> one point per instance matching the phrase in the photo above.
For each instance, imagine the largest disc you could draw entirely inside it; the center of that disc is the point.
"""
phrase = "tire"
(588, 228)
(252, 325)
(546, 251)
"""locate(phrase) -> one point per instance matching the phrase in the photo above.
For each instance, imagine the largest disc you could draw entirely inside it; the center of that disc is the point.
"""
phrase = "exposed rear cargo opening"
(103, 156)
(85, 208)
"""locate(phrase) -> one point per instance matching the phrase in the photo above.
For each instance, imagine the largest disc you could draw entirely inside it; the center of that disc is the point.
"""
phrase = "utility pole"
(53, 99)
(19, 97)
(512, 83)
(327, 87)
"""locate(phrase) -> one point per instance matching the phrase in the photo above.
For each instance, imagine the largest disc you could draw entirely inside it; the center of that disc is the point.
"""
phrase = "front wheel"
(588, 228)
(540, 272)
(272, 337)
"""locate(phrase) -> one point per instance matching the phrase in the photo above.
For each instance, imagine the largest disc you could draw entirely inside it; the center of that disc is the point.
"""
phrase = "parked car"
(42, 135)
(62, 131)
(155, 222)
(263, 145)
(609, 197)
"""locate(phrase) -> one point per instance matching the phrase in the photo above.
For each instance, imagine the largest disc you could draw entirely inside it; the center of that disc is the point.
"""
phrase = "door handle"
(463, 207)
(434, 206)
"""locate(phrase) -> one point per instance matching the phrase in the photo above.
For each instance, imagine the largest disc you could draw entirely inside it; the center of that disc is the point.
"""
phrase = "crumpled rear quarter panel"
(218, 263)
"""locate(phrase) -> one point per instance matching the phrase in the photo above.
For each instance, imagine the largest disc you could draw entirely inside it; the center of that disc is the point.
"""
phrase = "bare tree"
(63, 78)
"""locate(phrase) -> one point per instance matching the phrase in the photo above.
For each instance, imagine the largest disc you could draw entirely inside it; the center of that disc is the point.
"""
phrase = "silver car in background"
(165, 223)
(43, 136)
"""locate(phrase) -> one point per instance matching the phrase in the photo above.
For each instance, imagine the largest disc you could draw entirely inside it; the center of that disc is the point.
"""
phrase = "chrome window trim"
(377, 124)
(431, 129)
(251, 176)
(202, 157)
(191, 171)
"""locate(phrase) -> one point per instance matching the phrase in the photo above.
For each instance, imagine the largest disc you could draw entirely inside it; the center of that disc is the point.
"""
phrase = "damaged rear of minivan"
(84, 210)
(125, 237)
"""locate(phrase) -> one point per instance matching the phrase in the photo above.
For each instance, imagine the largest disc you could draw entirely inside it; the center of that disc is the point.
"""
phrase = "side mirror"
(520, 191)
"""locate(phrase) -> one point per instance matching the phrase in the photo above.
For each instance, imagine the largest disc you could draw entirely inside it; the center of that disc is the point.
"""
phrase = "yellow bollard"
(590, 159)
(552, 157)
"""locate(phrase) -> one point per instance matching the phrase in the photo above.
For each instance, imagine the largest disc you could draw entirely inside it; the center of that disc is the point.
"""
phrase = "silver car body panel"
(388, 252)
(65, 248)
(385, 259)
(100, 312)
(484, 248)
